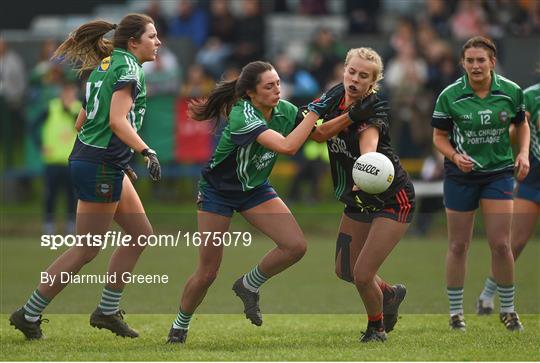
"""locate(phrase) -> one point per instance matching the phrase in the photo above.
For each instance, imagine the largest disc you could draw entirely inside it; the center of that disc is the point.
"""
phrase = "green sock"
(506, 298)
(182, 320)
(455, 298)
(110, 301)
(254, 279)
(490, 288)
(35, 306)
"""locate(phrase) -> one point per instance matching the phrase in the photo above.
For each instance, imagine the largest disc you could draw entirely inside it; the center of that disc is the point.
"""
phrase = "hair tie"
(114, 26)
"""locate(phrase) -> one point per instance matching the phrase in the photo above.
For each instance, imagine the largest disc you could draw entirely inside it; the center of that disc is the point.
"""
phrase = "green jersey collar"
(495, 83)
(127, 53)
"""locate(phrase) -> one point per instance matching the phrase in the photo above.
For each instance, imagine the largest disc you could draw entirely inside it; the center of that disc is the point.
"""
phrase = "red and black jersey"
(344, 149)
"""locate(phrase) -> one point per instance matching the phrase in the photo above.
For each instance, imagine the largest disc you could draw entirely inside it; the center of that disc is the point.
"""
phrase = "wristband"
(147, 151)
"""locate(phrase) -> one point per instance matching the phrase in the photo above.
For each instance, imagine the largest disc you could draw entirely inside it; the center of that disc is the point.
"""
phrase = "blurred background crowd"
(209, 40)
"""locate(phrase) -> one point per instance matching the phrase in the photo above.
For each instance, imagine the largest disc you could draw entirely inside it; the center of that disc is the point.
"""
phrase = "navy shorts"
(95, 182)
(466, 197)
(529, 188)
(399, 207)
(225, 203)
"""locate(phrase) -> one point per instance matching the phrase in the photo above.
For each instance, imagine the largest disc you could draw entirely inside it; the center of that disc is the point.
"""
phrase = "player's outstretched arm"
(330, 128)
(290, 144)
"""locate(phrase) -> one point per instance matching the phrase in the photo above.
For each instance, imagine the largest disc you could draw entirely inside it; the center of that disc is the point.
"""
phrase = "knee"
(458, 248)
(298, 250)
(362, 280)
(86, 255)
(501, 248)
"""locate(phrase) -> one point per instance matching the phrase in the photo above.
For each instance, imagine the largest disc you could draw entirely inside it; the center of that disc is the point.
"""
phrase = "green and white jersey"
(532, 105)
(96, 141)
(480, 127)
(239, 162)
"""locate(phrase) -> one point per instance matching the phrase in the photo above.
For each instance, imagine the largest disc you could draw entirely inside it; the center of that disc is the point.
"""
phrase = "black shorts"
(398, 207)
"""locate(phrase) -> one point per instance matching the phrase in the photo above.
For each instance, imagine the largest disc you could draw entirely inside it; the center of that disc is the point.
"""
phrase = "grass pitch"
(312, 337)
(308, 313)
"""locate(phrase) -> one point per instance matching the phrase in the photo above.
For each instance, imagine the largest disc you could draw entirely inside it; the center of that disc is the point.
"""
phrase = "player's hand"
(322, 105)
(152, 164)
(367, 108)
(463, 162)
(131, 173)
(522, 166)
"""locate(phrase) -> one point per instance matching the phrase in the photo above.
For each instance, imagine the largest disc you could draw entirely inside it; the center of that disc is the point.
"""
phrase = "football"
(373, 172)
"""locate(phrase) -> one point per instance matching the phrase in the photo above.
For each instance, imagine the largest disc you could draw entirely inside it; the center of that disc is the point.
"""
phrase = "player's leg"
(461, 202)
(99, 188)
(130, 215)
(92, 218)
(273, 218)
(383, 236)
(525, 217)
(353, 231)
(497, 219)
(460, 228)
(210, 256)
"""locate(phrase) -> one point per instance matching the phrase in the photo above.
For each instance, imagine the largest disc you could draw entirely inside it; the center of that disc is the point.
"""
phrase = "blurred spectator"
(221, 21)
(445, 72)
(297, 85)
(323, 54)
(214, 56)
(190, 22)
(54, 134)
(154, 11)
(532, 25)
(432, 171)
(437, 14)
(312, 7)
(406, 76)
(362, 15)
(469, 20)
(250, 34)
(432, 49)
(400, 8)
(403, 33)
(197, 83)
(230, 73)
(336, 76)
(45, 71)
(12, 87)
(312, 164)
(163, 75)
(162, 82)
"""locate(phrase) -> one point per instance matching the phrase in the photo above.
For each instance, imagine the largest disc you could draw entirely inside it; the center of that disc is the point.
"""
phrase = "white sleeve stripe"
(249, 113)
(248, 128)
(441, 117)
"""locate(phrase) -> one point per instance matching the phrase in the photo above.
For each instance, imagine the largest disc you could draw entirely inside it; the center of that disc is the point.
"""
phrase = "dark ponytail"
(222, 98)
(86, 46)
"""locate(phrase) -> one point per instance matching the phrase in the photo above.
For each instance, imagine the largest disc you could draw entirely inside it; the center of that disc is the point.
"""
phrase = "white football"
(373, 172)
